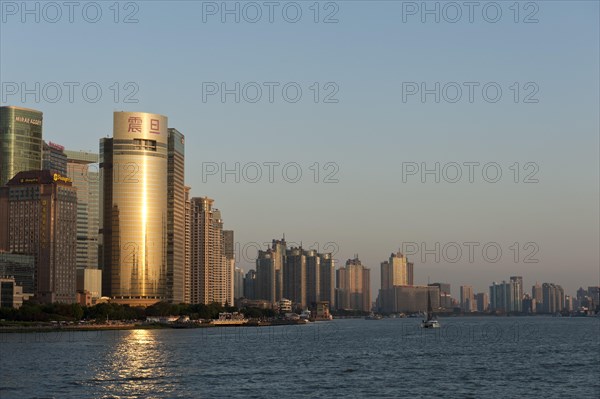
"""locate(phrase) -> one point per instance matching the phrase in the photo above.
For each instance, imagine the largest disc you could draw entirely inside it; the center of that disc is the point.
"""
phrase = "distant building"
(11, 294)
(269, 271)
(397, 271)
(238, 283)
(54, 158)
(553, 298)
(538, 296)
(90, 281)
(327, 279)
(313, 278)
(506, 297)
(445, 295)
(187, 268)
(594, 294)
(21, 267)
(285, 305)
(353, 290)
(517, 293)
(41, 213)
(294, 276)
(412, 299)
(467, 299)
(482, 301)
(20, 141)
(86, 180)
(250, 284)
(212, 273)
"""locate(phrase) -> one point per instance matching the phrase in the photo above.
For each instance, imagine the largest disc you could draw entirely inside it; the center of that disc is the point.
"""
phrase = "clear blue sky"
(369, 133)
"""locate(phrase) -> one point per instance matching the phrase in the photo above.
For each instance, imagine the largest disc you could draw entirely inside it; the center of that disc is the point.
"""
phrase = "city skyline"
(363, 140)
(56, 158)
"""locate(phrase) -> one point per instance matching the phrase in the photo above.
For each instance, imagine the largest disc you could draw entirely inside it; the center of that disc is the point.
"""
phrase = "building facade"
(86, 180)
(211, 272)
(176, 214)
(134, 210)
(40, 210)
(269, 271)
(54, 158)
(467, 299)
(353, 286)
(21, 268)
(20, 141)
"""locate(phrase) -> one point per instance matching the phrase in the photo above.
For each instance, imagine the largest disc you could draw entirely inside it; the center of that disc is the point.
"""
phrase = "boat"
(373, 316)
(431, 321)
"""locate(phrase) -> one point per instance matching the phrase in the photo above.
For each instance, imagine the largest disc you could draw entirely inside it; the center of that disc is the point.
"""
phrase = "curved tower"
(134, 167)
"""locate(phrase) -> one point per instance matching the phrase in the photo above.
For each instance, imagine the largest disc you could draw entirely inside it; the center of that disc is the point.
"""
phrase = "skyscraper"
(134, 210)
(54, 158)
(313, 277)
(238, 283)
(40, 210)
(269, 272)
(250, 284)
(467, 298)
(353, 286)
(188, 247)
(20, 141)
(538, 296)
(553, 298)
(212, 274)
(506, 297)
(294, 276)
(88, 197)
(176, 194)
(481, 298)
(327, 279)
(396, 271)
(517, 293)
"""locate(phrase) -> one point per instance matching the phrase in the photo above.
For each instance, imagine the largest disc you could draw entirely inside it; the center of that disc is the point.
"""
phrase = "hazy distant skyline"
(362, 61)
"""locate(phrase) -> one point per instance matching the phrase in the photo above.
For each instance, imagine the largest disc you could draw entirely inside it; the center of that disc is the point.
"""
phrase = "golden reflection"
(138, 366)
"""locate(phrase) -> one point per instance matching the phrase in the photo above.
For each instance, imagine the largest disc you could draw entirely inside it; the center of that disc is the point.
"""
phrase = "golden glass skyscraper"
(134, 217)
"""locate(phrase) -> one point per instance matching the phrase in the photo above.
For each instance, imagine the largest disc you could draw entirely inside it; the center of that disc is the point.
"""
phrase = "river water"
(469, 357)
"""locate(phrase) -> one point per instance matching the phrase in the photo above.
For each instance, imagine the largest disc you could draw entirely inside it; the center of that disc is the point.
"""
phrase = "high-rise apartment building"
(134, 209)
(353, 286)
(553, 298)
(506, 297)
(294, 276)
(396, 271)
(327, 279)
(238, 283)
(482, 301)
(188, 247)
(269, 271)
(20, 141)
(211, 272)
(40, 213)
(250, 284)
(467, 299)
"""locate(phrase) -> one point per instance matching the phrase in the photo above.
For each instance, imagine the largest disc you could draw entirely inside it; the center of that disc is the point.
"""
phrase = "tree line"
(33, 311)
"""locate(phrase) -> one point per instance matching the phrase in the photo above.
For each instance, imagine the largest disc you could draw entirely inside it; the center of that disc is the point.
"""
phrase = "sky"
(338, 109)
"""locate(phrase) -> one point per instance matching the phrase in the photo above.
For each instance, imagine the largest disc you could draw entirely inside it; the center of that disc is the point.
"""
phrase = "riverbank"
(24, 327)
